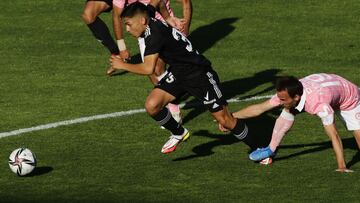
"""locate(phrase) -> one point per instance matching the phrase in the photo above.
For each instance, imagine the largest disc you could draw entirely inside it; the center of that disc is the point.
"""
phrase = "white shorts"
(351, 118)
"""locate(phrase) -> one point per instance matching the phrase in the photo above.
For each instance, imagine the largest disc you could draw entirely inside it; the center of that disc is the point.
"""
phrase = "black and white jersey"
(171, 45)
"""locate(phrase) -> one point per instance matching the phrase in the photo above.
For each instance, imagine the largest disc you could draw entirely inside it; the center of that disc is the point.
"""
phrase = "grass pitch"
(52, 69)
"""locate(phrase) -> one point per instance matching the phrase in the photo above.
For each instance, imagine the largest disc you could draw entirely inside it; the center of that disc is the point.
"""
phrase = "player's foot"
(260, 154)
(174, 141)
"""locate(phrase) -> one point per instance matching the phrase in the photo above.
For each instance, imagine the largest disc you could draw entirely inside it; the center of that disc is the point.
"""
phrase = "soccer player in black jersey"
(189, 72)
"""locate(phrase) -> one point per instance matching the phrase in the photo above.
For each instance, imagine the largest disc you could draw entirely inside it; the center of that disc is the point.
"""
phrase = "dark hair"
(291, 84)
(133, 9)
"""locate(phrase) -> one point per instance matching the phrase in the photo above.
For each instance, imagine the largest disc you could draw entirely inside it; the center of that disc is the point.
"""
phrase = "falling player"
(318, 94)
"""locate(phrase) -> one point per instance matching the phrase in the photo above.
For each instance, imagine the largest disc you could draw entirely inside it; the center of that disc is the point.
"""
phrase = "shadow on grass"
(38, 171)
(260, 136)
(204, 37)
(348, 143)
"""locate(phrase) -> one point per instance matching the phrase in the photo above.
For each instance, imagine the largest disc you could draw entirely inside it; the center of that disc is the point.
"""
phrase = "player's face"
(135, 25)
(287, 101)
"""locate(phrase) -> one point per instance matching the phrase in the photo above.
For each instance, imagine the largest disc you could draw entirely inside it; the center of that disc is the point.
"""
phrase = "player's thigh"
(351, 118)
(205, 87)
(94, 8)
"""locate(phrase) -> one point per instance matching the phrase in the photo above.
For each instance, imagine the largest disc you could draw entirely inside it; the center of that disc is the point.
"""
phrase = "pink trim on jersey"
(121, 4)
(326, 93)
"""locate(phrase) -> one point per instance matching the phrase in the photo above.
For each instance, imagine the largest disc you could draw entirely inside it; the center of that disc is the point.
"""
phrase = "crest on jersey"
(147, 31)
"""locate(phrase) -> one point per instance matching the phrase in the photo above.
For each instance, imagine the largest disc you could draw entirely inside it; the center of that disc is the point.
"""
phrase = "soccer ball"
(22, 161)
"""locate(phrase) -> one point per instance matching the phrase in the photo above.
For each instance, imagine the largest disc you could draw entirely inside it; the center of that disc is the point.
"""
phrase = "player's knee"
(87, 17)
(152, 107)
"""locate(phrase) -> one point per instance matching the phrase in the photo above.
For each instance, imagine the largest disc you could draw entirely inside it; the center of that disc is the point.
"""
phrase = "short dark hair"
(133, 9)
(291, 84)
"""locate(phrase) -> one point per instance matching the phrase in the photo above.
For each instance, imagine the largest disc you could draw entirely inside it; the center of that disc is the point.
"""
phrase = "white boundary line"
(101, 116)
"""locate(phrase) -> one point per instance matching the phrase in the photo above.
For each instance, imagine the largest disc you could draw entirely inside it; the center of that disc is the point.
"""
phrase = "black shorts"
(108, 2)
(200, 82)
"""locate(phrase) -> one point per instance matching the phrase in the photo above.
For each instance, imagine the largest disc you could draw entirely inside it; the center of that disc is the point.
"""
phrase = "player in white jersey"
(319, 94)
(165, 16)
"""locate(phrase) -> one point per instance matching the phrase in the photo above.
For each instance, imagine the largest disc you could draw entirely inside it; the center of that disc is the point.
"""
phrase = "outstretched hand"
(222, 128)
(176, 23)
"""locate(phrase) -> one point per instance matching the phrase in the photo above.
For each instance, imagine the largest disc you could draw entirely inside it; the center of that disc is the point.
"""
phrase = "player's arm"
(337, 146)
(119, 32)
(159, 5)
(250, 112)
(282, 125)
(253, 110)
(326, 115)
(187, 15)
(145, 68)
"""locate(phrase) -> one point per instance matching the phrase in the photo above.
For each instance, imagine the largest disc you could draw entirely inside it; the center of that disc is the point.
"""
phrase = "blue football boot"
(261, 153)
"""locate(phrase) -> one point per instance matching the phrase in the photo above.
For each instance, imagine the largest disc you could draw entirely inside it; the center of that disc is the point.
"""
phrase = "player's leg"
(99, 29)
(155, 107)
(356, 134)
(236, 126)
(351, 119)
(205, 87)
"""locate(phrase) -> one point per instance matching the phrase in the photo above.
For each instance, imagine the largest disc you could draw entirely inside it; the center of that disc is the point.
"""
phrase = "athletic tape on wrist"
(121, 44)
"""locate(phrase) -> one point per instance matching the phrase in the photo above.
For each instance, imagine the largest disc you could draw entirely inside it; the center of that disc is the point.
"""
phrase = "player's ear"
(143, 20)
(297, 97)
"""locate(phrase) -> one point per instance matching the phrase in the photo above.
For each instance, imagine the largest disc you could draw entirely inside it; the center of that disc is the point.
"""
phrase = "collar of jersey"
(301, 104)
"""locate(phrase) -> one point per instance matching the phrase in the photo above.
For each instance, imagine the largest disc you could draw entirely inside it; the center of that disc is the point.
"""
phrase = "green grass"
(52, 69)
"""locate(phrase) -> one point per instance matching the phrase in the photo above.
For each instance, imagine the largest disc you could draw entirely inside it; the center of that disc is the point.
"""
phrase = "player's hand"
(125, 54)
(110, 71)
(176, 23)
(186, 30)
(116, 62)
(223, 129)
(344, 170)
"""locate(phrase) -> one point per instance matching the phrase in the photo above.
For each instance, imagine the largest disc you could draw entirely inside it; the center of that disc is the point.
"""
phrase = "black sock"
(240, 131)
(165, 119)
(102, 33)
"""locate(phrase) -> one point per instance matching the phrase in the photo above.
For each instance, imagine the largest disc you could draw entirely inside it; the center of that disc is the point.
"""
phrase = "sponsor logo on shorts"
(210, 102)
(215, 106)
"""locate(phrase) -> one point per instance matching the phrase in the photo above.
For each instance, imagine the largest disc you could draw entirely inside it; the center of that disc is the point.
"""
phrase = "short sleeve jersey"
(121, 4)
(326, 93)
(171, 45)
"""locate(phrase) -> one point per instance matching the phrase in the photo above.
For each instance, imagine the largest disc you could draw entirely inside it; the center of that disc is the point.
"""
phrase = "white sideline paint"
(102, 116)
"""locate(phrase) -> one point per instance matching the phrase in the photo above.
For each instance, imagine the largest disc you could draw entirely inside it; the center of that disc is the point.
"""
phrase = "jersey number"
(178, 35)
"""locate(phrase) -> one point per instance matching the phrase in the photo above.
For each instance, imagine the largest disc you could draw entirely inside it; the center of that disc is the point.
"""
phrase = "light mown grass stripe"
(102, 116)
